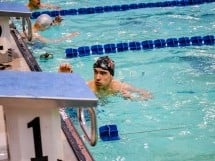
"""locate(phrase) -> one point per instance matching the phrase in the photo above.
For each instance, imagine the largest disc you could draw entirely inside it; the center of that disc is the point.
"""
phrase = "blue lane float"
(117, 8)
(135, 45)
(108, 133)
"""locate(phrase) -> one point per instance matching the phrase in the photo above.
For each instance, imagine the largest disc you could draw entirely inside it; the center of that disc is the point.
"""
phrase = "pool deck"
(18, 64)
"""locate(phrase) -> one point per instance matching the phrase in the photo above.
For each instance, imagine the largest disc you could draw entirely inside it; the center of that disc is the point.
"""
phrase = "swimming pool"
(178, 123)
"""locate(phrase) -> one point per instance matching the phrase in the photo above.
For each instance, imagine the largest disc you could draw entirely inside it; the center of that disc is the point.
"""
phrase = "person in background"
(43, 22)
(104, 83)
(36, 4)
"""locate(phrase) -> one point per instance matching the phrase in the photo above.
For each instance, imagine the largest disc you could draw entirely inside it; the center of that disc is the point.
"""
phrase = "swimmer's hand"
(145, 95)
(137, 96)
(73, 34)
(65, 68)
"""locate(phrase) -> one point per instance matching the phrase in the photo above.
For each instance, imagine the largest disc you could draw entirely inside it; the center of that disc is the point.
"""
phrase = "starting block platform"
(61, 89)
(11, 9)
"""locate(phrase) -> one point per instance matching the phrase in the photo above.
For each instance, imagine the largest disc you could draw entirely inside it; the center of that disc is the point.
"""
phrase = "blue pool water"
(179, 122)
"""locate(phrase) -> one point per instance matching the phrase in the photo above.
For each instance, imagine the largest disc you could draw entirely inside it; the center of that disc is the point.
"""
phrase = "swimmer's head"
(44, 21)
(105, 63)
(34, 4)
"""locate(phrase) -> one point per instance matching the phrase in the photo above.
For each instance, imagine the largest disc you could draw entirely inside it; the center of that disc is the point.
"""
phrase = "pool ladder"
(91, 134)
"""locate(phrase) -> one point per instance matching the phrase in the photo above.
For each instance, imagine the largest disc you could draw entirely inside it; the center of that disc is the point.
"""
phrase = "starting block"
(31, 102)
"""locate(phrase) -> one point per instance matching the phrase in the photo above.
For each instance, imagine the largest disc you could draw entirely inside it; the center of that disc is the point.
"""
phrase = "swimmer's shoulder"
(36, 34)
(91, 85)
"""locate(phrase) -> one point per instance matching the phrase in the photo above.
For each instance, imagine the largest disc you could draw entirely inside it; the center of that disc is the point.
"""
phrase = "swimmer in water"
(36, 4)
(104, 83)
(43, 22)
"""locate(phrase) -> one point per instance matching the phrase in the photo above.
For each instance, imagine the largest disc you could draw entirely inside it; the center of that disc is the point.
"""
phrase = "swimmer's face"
(102, 78)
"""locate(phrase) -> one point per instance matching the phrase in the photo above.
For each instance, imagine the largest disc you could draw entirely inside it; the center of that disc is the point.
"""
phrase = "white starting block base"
(67, 151)
(3, 143)
(24, 123)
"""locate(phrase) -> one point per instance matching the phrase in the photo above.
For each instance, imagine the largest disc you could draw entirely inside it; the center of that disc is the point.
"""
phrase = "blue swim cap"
(105, 63)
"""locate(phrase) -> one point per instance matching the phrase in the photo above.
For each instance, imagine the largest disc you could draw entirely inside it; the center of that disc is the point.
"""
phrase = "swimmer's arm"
(40, 38)
(45, 40)
(66, 37)
(131, 92)
(49, 6)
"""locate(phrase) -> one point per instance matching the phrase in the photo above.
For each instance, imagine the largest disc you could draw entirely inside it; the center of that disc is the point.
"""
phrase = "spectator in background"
(36, 4)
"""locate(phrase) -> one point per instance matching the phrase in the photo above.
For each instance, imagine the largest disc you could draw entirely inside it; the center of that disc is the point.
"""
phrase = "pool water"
(178, 123)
